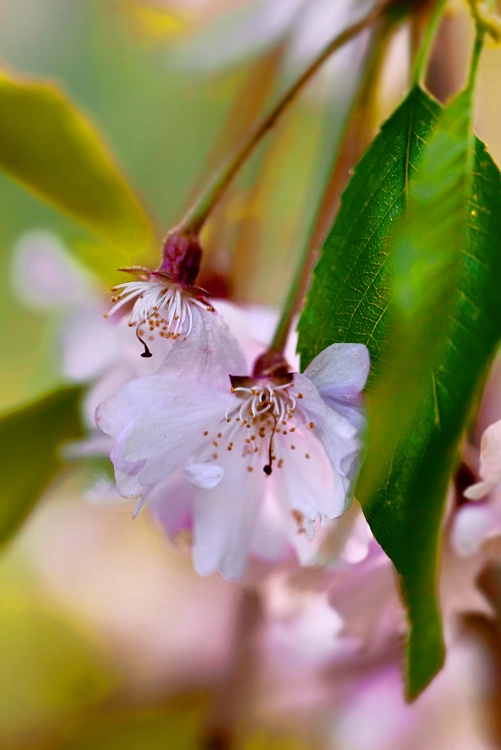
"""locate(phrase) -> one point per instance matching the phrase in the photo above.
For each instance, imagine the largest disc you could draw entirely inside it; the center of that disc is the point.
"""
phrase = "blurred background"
(107, 637)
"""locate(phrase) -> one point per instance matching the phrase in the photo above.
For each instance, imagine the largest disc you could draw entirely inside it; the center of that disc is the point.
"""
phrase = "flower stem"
(421, 62)
(235, 689)
(355, 137)
(199, 213)
(475, 59)
(486, 19)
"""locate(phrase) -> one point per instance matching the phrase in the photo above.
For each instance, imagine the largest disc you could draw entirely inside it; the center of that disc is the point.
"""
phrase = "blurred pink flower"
(478, 523)
(251, 28)
(92, 349)
(476, 530)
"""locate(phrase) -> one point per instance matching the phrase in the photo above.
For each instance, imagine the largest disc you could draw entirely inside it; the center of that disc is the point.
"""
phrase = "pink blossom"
(159, 306)
(479, 521)
(211, 447)
(165, 301)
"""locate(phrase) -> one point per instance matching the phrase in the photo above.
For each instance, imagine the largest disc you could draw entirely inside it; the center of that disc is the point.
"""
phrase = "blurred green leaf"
(51, 671)
(176, 726)
(53, 150)
(179, 724)
(30, 438)
(263, 740)
(447, 321)
(105, 260)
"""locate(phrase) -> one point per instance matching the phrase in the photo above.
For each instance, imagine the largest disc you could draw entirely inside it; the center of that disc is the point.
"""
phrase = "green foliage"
(176, 725)
(54, 151)
(51, 671)
(30, 438)
(350, 294)
(440, 270)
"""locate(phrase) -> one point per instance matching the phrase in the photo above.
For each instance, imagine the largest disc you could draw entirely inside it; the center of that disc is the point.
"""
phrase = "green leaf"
(54, 151)
(404, 503)
(30, 438)
(178, 724)
(443, 266)
(349, 297)
(427, 250)
(52, 668)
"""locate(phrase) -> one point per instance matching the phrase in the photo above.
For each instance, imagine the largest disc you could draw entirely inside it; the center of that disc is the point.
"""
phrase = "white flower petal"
(204, 476)
(313, 488)
(340, 372)
(473, 524)
(273, 529)
(490, 454)
(129, 402)
(167, 435)
(141, 395)
(127, 484)
(337, 433)
(478, 491)
(210, 354)
(224, 520)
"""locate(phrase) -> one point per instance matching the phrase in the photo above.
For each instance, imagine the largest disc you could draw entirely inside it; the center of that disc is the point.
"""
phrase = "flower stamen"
(266, 406)
(159, 303)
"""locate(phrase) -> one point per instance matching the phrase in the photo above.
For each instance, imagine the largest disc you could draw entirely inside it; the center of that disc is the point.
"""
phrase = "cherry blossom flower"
(234, 440)
(317, 663)
(161, 305)
(490, 463)
(479, 521)
(164, 301)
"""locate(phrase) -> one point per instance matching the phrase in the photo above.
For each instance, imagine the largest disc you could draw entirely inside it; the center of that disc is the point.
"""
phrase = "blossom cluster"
(235, 446)
(246, 456)
(231, 446)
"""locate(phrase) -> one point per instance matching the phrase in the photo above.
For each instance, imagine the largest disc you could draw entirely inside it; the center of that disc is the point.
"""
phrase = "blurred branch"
(232, 697)
(197, 216)
(356, 138)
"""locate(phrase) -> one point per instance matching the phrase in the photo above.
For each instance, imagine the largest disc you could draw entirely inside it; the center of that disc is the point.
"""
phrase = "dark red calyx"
(271, 364)
(244, 381)
(181, 258)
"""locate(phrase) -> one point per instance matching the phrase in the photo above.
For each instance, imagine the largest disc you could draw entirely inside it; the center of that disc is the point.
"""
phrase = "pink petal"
(46, 276)
(224, 521)
(473, 525)
(167, 434)
(478, 491)
(171, 504)
(340, 371)
(204, 476)
(490, 454)
(210, 354)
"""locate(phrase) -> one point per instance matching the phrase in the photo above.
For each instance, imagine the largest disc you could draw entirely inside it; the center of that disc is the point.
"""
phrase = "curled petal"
(205, 476)
(478, 491)
(473, 525)
(340, 372)
(490, 454)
